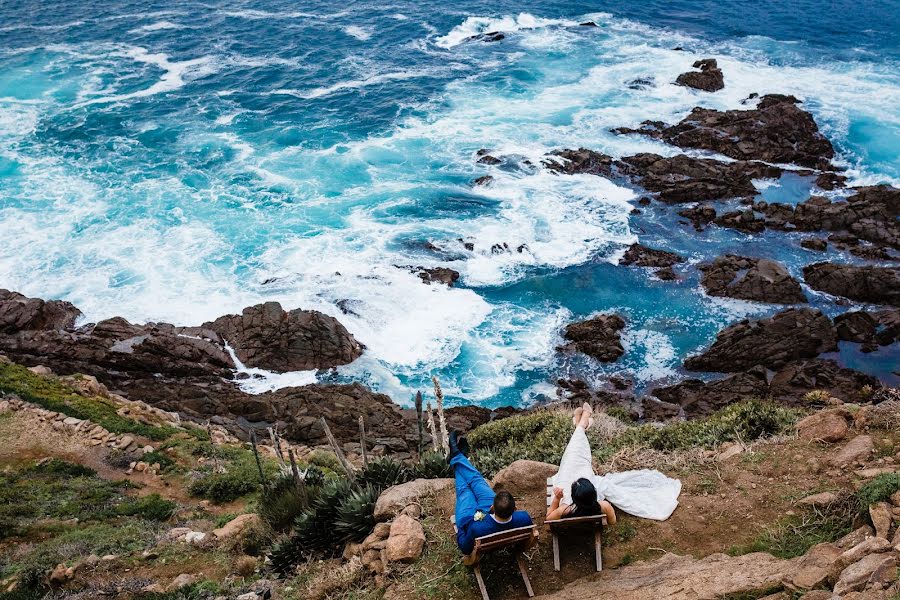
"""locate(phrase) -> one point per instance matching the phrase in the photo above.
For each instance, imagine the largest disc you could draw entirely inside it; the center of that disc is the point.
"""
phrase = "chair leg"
(555, 550)
(480, 579)
(524, 571)
(597, 551)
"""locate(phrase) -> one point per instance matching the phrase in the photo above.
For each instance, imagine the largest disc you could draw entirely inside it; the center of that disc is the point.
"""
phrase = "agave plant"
(432, 465)
(314, 476)
(382, 473)
(282, 502)
(356, 514)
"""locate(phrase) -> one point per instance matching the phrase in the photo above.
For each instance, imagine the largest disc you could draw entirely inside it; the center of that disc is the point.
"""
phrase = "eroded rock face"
(758, 279)
(709, 78)
(776, 131)
(715, 576)
(793, 381)
(581, 161)
(597, 337)
(268, 337)
(773, 342)
(18, 313)
(699, 398)
(878, 285)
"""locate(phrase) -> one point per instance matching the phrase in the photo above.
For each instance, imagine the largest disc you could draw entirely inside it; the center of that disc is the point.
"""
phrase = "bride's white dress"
(645, 493)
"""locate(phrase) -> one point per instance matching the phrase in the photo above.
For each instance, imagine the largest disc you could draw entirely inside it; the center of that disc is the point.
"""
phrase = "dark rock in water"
(636, 211)
(742, 220)
(878, 285)
(615, 392)
(487, 159)
(709, 78)
(699, 215)
(685, 179)
(581, 161)
(437, 275)
(791, 383)
(699, 398)
(644, 201)
(490, 36)
(869, 252)
(653, 409)
(815, 244)
(268, 337)
(597, 337)
(777, 131)
(483, 180)
(757, 279)
(18, 313)
(830, 181)
(588, 24)
(642, 256)
(666, 274)
(870, 214)
(857, 326)
(792, 334)
(641, 83)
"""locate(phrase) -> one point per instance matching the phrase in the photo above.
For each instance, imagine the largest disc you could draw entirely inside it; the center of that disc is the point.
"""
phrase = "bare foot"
(576, 419)
(586, 419)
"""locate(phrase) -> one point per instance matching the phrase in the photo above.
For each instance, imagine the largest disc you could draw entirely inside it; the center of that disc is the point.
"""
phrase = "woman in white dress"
(578, 492)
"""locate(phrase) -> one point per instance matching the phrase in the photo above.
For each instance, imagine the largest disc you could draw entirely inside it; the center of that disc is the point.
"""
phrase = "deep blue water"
(162, 160)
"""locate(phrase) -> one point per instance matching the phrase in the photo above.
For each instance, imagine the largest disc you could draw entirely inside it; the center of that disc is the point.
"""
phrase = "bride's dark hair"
(584, 499)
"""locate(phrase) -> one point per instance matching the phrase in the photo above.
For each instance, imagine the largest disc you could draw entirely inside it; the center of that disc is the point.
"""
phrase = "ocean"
(177, 161)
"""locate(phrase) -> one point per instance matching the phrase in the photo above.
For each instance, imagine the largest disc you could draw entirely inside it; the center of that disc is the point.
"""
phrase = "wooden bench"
(521, 539)
(597, 522)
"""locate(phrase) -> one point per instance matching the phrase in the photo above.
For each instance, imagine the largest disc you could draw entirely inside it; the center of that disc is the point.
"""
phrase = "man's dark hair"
(504, 505)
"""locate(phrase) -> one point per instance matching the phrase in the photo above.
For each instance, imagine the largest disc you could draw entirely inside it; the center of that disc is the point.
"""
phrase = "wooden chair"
(597, 522)
(521, 539)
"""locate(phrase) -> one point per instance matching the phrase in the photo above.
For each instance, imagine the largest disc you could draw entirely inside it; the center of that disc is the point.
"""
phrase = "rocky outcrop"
(18, 313)
(268, 337)
(776, 131)
(642, 256)
(523, 477)
(438, 275)
(878, 285)
(685, 179)
(824, 426)
(871, 329)
(393, 500)
(709, 78)
(790, 384)
(581, 161)
(597, 337)
(758, 279)
(698, 398)
(677, 577)
(773, 342)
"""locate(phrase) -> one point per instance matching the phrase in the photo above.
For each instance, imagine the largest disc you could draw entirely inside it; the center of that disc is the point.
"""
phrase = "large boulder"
(709, 78)
(406, 540)
(758, 279)
(872, 569)
(524, 477)
(789, 335)
(268, 337)
(581, 161)
(676, 577)
(776, 131)
(19, 313)
(236, 526)
(814, 567)
(597, 337)
(642, 256)
(393, 500)
(699, 398)
(858, 449)
(825, 426)
(878, 285)
(791, 383)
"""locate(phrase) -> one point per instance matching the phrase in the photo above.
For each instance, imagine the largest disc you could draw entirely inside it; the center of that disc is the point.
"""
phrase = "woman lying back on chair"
(575, 473)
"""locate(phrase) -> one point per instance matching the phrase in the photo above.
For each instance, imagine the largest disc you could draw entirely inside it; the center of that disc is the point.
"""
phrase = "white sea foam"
(473, 26)
(660, 358)
(158, 26)
(258, 381)
(354, 84)
(360, 33)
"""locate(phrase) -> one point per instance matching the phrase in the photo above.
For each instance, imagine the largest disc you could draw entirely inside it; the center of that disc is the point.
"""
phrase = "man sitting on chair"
(479, 511)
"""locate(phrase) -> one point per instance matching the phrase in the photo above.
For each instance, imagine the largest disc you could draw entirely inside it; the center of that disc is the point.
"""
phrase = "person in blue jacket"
(479, 511)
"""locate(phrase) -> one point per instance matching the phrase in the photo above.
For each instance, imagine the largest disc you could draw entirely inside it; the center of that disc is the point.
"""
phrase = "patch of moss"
(878, 490)
(52, 394)
(152, 508)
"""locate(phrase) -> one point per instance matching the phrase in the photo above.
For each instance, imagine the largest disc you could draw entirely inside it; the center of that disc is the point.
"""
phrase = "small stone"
(236, 526)
(181, 581)
(406, 540)
(248, 596)
(823, 499)
(153, 588)
(880, 512)
(195, 537)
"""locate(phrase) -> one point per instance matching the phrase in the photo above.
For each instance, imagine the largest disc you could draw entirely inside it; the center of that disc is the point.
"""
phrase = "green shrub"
(61, 468)
(878, 490)
(327, 461)
(355, 516)
(281, 502)
(541, 436)
(152, 508)
(382, 473)
(314, 476)
(240, 477)
(52, 394)
(432, 465)
(165, 461)
(620, 413)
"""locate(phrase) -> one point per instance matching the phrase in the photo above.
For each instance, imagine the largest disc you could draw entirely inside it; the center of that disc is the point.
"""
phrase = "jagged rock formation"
(758, 279)
(879, 285)
(597, 337)
(18, 312)
(774, 342)
(709, 78)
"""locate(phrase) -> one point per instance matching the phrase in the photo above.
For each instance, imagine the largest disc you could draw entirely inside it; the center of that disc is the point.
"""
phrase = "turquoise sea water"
(174, 162)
